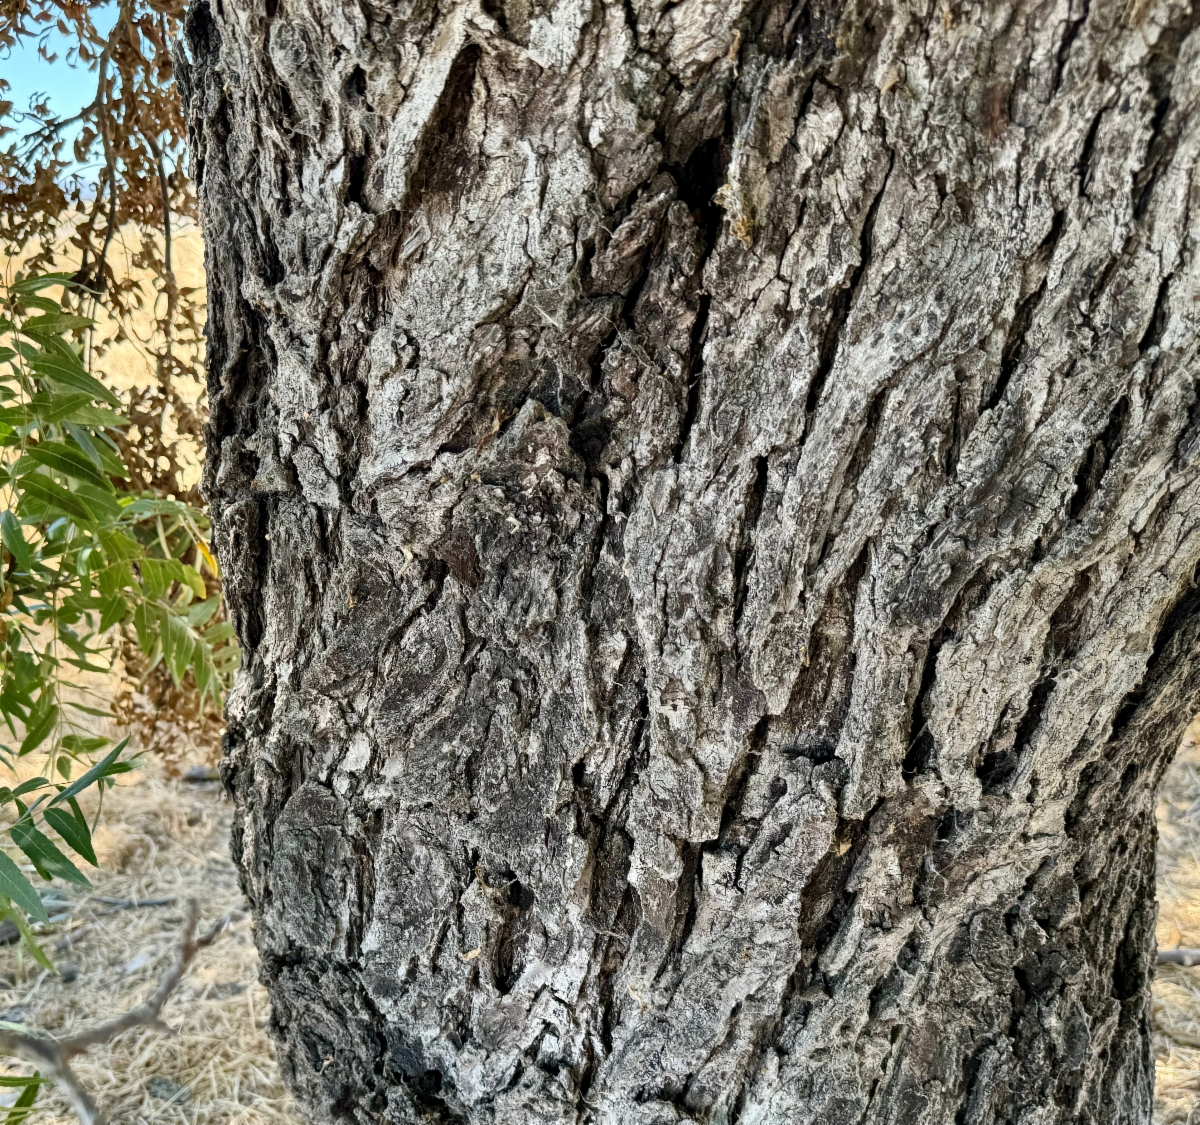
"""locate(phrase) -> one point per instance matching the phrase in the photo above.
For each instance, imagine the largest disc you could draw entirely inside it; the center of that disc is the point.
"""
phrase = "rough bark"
(708, 492)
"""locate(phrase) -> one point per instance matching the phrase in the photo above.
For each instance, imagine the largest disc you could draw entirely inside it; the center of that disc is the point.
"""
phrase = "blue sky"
(67, 88)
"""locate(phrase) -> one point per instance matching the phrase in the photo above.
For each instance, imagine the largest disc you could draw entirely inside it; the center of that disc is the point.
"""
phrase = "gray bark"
(708, 492)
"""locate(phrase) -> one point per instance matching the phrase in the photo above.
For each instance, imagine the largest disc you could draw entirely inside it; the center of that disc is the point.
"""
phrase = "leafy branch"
(84, 557)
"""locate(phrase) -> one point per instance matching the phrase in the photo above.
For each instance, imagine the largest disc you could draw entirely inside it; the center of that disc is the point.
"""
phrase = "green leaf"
(179, 646)
(69, 374)
(62, 458)
(50, 408)
(30, 786)
(119, 547)
(200, 613)
(83, 744)
(53, 324)
(221, 632)
(87, 710)
(38, 282)
(14, 540)
(44, 854)
(57, 499)
(98, 418)
(13, 1080)
(41, 727)
(22, 1107)
(103, 768)
(15, 415)
(146, 622)
(158, 574)
(14, 886)
(27, 939)
(100, 500)
(74, 831)
(113, 610)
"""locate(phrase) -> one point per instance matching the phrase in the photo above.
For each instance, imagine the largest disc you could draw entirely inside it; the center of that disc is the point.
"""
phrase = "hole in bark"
(513, 935)
(698, 182)
(356, 85)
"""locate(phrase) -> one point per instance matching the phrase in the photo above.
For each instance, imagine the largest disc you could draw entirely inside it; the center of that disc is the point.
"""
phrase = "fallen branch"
(1188, 958)
(53, 1056)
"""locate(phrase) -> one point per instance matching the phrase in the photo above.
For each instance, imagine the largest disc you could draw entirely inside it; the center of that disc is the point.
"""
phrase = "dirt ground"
(162, 838)
(1177, 990)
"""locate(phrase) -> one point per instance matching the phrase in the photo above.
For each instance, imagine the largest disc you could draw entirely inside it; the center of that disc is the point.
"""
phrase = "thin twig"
(53, 1056)
(119, 904)
(1188, 958)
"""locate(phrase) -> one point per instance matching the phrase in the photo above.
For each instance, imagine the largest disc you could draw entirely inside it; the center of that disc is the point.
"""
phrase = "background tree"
(708, 493)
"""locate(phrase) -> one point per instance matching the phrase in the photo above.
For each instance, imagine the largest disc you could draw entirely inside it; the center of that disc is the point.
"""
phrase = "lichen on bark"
(708, 494)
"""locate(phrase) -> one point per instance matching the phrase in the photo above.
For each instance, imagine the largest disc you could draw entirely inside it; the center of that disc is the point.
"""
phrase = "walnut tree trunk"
(710, 496)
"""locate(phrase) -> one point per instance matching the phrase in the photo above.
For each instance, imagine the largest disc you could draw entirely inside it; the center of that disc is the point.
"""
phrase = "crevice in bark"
(735, 834)
(1164, 131)
(1152, 337)
(743, 561)
(695, 373)
(1182, 617)
(686, 903)
(1099, 457)
(921, 746)
(843, 301)
(1084, 166)
(697, 183)
(1015, 340)
(1070, 33)
(444, 162)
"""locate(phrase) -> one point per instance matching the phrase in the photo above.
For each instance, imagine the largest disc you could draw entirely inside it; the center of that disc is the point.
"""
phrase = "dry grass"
(1177, 990)
(159, 839)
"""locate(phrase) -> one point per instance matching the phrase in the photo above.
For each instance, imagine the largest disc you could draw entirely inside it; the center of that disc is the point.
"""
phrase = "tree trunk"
(709, 495)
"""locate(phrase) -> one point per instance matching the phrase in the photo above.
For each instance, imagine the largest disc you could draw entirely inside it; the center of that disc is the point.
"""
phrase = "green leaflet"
(179, 646)
(70, 376)
(158, 574)
(14, 540)
(39, 728)
(74, 831)
(62, 458)
(56, 499)
(45, 855)
(53, 323)
(107, 766)
(14, 886)
(38, 282)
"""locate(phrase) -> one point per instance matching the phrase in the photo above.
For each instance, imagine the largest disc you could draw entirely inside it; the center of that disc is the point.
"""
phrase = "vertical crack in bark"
(843, 302)
(1022, 321)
